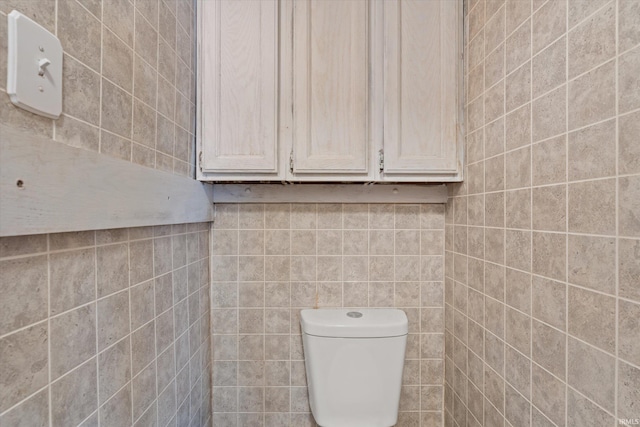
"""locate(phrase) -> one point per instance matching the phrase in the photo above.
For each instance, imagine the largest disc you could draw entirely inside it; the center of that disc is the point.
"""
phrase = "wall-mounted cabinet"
(330, 90)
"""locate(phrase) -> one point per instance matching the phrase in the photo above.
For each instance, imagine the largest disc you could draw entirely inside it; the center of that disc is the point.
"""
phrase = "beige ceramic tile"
(591, 96)
(591, 207)
(593, 41)
(549, 208)
(628, 92)
(303, 216)
(494, 209)
(117, 61)
(582, 411)
(81, 91)
(549, 114)
(548, 394)
(74, 396)
(548, 256)
(494, 30)
(143, 390)
(629, 268)
(518, 127)
(24, 283)
(628, 205)
(494, 101)
(494, 174)
(628, 318)
(549, 67)
(591, 262)
(628, 32)
(146, 39)
(592, 152)
(116, 110)
(329, 242)
(591, 317)
(549, 301)
(476, 19)
(591, 372)
(548, 348)
(518, 168)
(475, 85)
(518, 209)
(629, 151)
(33, 411)
(518, 249)
(25, 366)
(518, 44)
(72, 279)
(144, 80)
(517, 12)
(79, 32)
(549, 22)
(628, 393)
(114, 369)
(77, 134)
(118, 16)
(494, 66)
(73, 339)
(517, 371)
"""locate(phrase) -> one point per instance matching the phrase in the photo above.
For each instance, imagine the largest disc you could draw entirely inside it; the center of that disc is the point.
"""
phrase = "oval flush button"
(354, 314)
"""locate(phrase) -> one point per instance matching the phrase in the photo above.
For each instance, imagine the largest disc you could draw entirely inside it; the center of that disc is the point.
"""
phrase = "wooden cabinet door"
(239, 100)
(331, 102)
(421, 54)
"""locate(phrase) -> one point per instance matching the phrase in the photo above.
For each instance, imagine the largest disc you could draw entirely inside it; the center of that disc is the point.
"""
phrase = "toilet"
(354, 360)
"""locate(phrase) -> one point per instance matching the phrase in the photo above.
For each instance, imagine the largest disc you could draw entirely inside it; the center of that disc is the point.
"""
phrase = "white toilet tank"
(354, 360)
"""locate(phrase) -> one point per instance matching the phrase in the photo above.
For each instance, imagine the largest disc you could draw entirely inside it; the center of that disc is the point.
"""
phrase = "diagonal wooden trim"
(329, 193)
(68, 189)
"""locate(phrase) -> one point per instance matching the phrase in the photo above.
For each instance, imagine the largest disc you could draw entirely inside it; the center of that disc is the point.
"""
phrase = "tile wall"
(542, 257)
(270, 261)
(129, 78)
(106, 328)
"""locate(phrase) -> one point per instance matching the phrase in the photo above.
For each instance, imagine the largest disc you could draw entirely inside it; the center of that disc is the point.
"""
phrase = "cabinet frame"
(447, 104)
(285, 132)
(275, 172)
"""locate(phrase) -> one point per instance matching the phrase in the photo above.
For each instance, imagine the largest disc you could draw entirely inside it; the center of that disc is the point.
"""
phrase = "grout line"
(48, 320)
(129, 336)
(237, 280)
(100, 76)
(565, 380)
(616, 8)
(530, 144)
(96, 327)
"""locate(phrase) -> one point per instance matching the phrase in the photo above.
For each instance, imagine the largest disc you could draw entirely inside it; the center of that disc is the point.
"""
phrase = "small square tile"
(74, 396)
(591, 317)
(23, 283)
(628, 205)
(591, 207)
(73, 339)
(591, 372)
(25, 364)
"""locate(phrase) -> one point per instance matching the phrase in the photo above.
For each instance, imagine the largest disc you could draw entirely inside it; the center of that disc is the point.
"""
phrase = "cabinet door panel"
(331, 88)
(240, 86)
(420, 110)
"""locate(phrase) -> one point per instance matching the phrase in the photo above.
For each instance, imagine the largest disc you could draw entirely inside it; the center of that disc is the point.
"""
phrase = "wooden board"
(68, 189)
(328, 193)
(422, 63)
(238, 51)
(331, 99)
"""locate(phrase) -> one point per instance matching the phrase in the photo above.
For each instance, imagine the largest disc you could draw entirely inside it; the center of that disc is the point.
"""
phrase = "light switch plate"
(34, 67)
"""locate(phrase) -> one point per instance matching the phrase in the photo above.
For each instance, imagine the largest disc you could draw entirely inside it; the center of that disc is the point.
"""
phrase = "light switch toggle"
(43, 64)
(34, 66)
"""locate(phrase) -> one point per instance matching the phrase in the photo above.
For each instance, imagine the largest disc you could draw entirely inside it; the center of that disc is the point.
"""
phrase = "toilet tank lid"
(354, 323)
